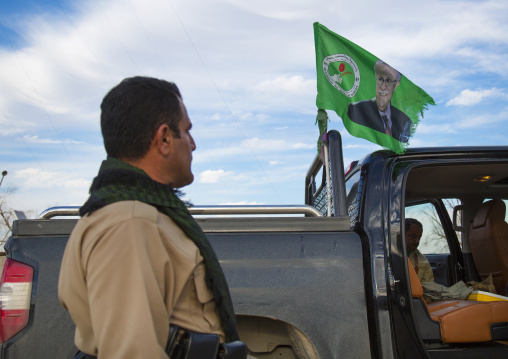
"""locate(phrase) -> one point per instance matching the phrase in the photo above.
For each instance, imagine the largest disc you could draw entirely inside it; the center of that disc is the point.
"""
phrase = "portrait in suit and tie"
(378, 113)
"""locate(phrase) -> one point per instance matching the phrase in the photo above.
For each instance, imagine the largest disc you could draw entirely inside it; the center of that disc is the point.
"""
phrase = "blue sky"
(247, 74)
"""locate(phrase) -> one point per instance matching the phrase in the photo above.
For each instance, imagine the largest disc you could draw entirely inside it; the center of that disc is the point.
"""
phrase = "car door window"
(433, 239)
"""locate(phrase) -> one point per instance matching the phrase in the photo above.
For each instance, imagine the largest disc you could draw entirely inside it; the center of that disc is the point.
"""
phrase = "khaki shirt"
(424, 269)
(128, 271)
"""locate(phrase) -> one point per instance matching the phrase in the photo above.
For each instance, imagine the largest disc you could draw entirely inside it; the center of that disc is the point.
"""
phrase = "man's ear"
(397, 83)
(164, 139)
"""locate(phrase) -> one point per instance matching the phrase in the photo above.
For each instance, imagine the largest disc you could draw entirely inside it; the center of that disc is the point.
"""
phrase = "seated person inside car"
(414, 230)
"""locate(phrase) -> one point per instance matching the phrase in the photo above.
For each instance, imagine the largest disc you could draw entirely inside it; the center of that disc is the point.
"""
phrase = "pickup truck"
(326, 279)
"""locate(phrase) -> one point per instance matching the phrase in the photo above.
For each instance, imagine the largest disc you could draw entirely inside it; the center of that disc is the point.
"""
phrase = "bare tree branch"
(5, 214)
(436, 237)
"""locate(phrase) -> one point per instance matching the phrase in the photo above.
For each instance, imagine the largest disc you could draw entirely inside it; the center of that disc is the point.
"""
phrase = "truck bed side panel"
(309, 278)
(313, 281)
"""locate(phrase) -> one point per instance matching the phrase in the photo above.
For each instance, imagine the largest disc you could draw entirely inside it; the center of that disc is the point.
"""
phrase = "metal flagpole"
(328, 187)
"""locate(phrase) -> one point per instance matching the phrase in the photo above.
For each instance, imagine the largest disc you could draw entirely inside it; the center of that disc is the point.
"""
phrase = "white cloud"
(283, 9)
(294, 84)
(469, 97)
(366, 146)
(36, 139)
(476, 121)
(241, 203)
(210, 176)
(9, 128)
(263, 144)
(287, 93)
(239, 116)
(216, 116)
(230, 124)
(459, 125)
(266, 144)
(35, 178)
(424, 128)
(302, 146)
(481, 121)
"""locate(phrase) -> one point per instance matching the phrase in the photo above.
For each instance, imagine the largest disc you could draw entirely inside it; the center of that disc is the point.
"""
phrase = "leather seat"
(488, 238)
(461, 321)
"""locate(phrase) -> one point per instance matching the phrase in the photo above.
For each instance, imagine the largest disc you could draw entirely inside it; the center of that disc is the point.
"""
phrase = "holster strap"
(191, 345)
(233, 350)
(184, 344)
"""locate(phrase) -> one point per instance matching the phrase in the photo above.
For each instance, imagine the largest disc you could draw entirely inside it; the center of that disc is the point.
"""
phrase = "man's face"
(413, 237)
(181, 156)
(386, 83)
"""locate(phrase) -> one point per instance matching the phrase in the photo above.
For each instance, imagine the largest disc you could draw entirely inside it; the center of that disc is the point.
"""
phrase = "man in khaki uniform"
(414, 230)
(137, 261)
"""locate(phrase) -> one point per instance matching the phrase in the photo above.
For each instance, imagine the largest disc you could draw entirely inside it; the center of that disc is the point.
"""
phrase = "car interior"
(463, 211)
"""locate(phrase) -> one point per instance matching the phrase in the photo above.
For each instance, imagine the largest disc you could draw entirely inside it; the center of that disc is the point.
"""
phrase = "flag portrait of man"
(378, 113)
(374, 100)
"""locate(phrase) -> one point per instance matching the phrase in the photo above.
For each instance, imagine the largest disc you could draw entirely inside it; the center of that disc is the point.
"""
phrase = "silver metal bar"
(314, 167)
(236, 224)
(207, 210)
(59, 211)
(328, 187)
(256, 209)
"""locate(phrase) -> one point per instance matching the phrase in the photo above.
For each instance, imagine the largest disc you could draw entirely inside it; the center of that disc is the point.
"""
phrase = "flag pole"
(328, 187)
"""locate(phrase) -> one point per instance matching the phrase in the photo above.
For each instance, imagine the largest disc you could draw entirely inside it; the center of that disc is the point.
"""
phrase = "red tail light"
(15, 293)
(351, 167)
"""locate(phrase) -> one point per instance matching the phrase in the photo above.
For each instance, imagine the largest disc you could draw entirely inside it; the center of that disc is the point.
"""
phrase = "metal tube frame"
(208, 210)
(334, 174)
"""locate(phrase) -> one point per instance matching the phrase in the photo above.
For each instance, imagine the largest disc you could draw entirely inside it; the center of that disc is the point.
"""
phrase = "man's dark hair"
(410, 221)
(132, 111)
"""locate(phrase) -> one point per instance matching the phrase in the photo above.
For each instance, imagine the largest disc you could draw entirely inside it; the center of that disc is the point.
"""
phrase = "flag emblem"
(347, 78)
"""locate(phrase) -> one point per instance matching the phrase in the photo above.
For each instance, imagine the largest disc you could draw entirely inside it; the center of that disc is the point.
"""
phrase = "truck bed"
(287, 271)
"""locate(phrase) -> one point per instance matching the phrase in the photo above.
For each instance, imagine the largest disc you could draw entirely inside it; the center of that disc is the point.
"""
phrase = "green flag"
(375, 101)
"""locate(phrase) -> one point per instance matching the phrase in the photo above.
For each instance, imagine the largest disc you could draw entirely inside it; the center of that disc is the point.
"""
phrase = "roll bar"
(207, 210)
(332, 190)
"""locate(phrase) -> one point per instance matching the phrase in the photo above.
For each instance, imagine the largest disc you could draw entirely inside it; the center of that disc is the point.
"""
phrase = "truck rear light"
(351, 167)
(15, 294)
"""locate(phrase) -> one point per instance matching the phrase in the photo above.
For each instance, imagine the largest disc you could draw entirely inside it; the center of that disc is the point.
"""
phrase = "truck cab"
(452, 192)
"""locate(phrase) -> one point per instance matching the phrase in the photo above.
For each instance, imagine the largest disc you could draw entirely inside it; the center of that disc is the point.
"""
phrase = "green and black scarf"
(118, 181)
